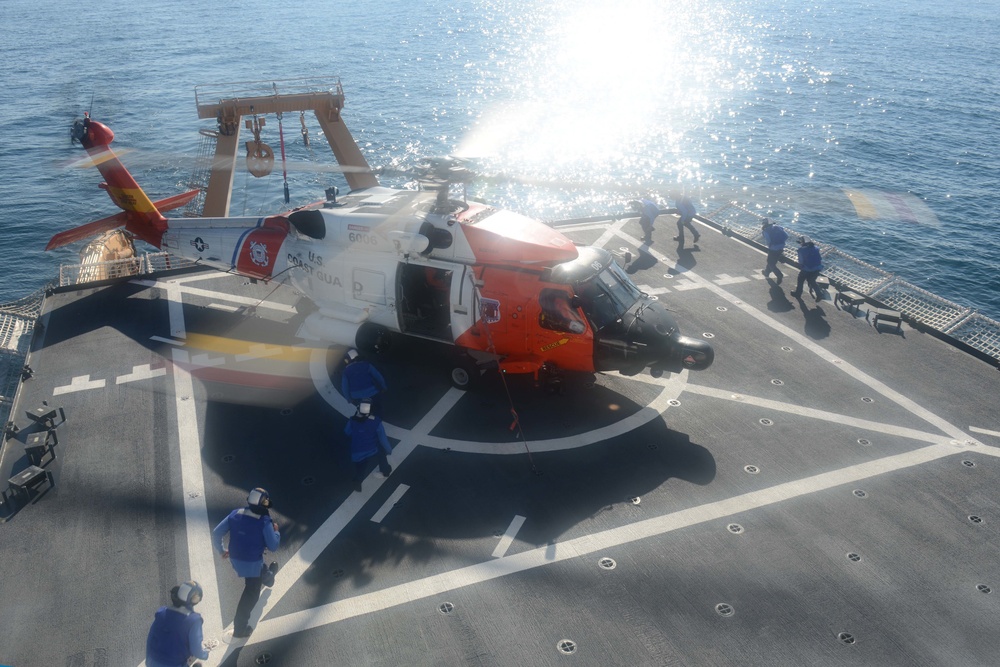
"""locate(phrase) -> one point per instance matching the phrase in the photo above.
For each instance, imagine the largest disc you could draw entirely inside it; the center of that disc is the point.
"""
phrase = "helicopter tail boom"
(141, 216)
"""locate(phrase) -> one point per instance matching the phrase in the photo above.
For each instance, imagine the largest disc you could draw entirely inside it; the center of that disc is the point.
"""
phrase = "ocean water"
(572, 106)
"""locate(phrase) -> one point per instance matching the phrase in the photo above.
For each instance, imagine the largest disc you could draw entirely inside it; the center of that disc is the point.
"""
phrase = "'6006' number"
(357, 237)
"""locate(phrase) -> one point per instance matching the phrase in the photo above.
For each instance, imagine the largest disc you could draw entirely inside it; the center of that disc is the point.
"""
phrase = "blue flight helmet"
(190, 593)
(259, 498)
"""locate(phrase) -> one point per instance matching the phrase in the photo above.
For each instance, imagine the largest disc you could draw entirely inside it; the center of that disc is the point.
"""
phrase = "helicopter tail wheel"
(465, 373)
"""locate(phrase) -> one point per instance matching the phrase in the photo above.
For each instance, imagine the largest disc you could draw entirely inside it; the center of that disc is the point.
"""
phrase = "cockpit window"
(620, 286)
(607, 296)
(557, 314)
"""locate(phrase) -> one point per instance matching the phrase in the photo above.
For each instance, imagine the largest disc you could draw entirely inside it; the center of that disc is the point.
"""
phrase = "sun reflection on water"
(604, 90)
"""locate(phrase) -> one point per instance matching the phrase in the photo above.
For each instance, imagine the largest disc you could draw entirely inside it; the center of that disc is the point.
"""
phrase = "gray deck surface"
(634, 518)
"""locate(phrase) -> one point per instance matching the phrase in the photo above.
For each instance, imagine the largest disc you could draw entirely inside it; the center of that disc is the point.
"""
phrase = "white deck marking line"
(79, 383)
(875, 385)
(508, 537)
(172, 341)
(587, 544)
(175, 309)
(812, 413)
(201, 555)
(646, 289)
(726, 279)
(260, 351)
(611, 231)
(581, 226)
(671, 388)
(220, 296)
(300, 562)
(984, 431)
(390, 503)
(225, 307)
(204, 360)
(141, 372)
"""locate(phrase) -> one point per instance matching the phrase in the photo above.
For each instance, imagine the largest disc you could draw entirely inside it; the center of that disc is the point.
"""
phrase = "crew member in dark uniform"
(810, 264)
(361, 380)
(251, 530)
(175, 637)
(368, 439)
(774, 238)
(647, 210)
(685, 213)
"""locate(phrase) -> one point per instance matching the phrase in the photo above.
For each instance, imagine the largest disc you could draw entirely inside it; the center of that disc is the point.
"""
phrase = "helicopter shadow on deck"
(452, 495)
(293, 445)
(88, 312)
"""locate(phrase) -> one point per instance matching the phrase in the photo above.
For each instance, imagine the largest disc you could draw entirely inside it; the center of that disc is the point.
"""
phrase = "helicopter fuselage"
(513, 290)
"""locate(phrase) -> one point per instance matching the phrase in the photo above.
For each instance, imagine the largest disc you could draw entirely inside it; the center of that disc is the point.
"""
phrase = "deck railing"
(17, 322)
(916, 304)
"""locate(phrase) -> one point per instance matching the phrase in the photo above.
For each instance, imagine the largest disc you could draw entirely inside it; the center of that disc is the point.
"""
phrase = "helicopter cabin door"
(463, 300)
(424, 299)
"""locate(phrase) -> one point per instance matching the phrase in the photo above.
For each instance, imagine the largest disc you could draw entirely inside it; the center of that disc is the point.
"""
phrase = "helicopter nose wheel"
(465, 373)
(551, 379)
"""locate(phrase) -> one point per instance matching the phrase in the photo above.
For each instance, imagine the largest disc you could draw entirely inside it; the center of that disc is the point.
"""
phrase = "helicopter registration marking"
(363, 239)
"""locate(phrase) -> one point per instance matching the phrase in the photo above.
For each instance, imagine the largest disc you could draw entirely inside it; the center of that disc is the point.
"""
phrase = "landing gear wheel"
(552, 380)
(465, 374)
(373, 339)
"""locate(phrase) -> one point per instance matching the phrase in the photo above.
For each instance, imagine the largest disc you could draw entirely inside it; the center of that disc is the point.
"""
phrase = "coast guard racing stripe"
(258, 251)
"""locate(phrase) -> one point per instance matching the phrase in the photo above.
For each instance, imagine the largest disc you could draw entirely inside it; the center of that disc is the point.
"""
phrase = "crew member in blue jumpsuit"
(774, 238)
(686, 213)
(810, 264)
(251, 530)
(368, 439)
(175, 637)
(361, 380)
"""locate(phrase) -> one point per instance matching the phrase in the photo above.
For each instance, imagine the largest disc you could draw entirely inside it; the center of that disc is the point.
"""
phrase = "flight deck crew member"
(175, 637)
(810, 264)
(251, 530)
(648, 210)
(368, 439)
(686, 213)
(361, 380)
(774, 238)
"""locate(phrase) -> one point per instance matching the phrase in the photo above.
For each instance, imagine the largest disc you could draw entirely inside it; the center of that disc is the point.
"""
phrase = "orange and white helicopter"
(506, 291)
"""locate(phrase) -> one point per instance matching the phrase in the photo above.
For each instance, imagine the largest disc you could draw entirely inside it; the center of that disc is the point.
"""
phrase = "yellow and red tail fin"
(142, 217)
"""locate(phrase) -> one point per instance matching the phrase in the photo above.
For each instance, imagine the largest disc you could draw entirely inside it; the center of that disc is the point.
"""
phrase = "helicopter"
(505, 291)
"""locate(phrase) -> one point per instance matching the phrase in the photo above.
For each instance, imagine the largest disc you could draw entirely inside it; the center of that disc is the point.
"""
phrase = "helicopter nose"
(672, 352)
(681, 352)
(692, 354)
